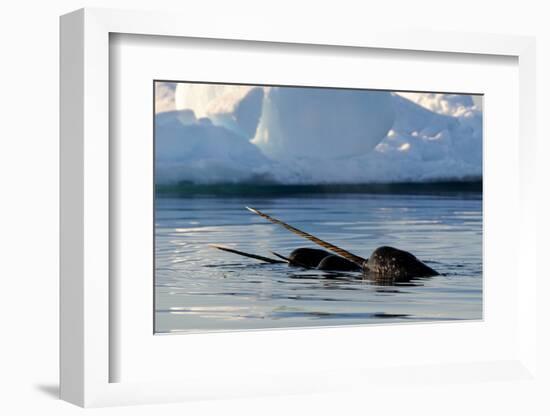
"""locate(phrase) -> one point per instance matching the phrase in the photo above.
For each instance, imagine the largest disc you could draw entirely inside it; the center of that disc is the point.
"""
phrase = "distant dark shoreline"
(444, 188)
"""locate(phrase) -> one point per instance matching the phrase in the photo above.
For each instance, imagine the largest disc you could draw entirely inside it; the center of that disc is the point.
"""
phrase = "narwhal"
(384, 264)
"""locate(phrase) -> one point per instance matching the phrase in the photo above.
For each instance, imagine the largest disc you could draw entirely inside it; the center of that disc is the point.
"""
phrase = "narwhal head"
(389, 262)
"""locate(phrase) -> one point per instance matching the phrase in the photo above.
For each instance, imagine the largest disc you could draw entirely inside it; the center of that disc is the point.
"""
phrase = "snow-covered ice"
(291, 135)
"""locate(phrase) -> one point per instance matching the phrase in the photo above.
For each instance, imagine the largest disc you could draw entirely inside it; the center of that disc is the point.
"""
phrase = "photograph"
(289, 206)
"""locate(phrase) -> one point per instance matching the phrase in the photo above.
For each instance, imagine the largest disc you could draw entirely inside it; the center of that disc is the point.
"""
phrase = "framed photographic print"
(352, 170)
(235, 209)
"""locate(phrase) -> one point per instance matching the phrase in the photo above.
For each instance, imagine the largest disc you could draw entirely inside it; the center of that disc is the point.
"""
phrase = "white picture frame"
(86, 305)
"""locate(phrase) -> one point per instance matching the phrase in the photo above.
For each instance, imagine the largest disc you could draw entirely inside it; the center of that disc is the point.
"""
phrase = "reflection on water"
(199, 288)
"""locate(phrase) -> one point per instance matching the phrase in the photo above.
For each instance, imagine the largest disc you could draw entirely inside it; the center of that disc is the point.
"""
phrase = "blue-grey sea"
(199, 288)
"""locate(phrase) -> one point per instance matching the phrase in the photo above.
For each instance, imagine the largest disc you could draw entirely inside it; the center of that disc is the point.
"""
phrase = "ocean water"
(199, 288)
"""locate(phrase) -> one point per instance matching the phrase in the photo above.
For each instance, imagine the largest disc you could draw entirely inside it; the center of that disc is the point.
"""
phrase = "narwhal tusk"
(242, 253)
(290, 261)
(335, 249)
(281, 257)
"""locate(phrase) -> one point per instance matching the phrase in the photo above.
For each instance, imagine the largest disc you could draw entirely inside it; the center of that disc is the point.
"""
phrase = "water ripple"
(199, 288)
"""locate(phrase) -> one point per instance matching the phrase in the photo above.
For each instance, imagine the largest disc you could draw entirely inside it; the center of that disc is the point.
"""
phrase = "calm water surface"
(198, 288)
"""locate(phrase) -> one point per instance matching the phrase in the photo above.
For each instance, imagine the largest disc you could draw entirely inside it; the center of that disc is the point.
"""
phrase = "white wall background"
(29, 207)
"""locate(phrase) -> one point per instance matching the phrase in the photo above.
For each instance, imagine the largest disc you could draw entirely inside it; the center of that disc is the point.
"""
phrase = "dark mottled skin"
(384, 264)
(337, 263)
(307, 257)
(398, 265)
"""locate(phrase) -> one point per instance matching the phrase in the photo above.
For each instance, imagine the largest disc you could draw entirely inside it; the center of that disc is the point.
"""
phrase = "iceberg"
(197, 151)
(294, 135)
(322, 124)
